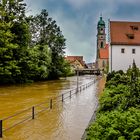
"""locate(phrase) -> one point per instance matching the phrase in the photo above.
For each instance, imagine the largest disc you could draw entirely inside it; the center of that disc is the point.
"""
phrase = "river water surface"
(65, 121)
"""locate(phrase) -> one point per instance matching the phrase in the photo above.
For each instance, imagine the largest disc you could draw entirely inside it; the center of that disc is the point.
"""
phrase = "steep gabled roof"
(124, 33)
(80, 58)
(72, 59)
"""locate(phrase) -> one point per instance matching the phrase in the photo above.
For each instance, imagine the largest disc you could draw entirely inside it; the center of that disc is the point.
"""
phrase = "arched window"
(102, 44)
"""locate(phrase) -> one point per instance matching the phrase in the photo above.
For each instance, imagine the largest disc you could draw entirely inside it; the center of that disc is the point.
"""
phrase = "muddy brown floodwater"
(65, 121)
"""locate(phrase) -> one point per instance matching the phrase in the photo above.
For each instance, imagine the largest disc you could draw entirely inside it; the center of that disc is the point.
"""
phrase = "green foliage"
(112, 74)
(66, 68)
(8, 65)
(118, 116)
(35, 66)
(116, 125)
(31, 48)
(45, 31)
(118, 79)
(12, 10)
(113, 98)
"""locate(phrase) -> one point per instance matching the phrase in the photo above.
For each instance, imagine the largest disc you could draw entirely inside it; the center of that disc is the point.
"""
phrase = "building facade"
(102, 47)
(76, 62)
(124, 46)
(103, 58)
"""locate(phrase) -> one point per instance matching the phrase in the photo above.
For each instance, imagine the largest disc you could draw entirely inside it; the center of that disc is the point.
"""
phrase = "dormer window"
(130, 36)
(134, 27)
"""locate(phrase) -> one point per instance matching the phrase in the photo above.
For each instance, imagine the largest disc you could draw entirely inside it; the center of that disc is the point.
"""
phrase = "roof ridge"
(125, 21)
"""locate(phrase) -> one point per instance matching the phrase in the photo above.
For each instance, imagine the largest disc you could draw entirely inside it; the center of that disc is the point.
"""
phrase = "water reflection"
(65, 121)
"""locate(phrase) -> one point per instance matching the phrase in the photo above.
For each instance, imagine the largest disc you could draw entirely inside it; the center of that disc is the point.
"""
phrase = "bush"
(118, 79)
(116, 125)
(113, 98)
(118, 117)
(112, 74)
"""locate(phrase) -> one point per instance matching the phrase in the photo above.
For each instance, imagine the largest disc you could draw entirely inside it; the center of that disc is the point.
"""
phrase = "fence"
(33, 111)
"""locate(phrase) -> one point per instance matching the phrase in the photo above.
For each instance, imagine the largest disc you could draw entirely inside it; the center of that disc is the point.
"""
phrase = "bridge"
(88, 71)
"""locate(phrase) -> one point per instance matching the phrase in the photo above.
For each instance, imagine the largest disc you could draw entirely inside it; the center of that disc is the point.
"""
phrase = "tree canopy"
(31, 47)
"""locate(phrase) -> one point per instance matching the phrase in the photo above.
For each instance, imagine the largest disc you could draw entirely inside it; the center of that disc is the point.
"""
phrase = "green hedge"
(118, 116)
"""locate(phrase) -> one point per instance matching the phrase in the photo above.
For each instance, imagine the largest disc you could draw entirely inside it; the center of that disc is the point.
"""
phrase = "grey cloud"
(79, 41)
(79, 3)
(80, 29)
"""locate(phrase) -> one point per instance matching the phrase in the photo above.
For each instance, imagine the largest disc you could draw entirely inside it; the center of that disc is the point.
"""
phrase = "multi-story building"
(124, 46)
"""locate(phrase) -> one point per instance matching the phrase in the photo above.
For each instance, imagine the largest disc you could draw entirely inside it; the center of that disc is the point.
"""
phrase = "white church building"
(124, 44)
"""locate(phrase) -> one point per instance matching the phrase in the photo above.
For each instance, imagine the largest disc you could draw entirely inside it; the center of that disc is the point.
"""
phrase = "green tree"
(36, 64)
(8, 65)
(13, 14)
(46, 32)
(31, 48)
(9, 68)
(13, 10)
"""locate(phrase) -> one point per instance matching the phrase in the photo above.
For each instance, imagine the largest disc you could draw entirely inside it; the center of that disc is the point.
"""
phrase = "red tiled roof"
(104, 52)
(74, 58)
(125, 33)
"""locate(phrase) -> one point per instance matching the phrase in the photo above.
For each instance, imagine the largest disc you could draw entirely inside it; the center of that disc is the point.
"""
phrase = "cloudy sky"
(78, 20)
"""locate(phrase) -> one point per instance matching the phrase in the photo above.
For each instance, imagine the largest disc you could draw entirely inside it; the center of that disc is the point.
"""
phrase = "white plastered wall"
(122, 61)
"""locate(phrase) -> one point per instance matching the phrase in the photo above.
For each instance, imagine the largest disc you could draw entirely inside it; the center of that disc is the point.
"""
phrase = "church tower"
(102, 48)
(101, 36)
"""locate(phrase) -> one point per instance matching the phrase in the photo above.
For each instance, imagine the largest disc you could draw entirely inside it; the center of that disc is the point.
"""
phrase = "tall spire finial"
(100, 14)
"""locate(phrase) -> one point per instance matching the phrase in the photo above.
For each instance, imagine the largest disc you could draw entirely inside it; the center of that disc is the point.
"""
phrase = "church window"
(122, 50)
(102, 44)
(133, 51)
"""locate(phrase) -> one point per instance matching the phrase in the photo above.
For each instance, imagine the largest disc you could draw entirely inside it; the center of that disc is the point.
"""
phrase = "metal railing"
(32, 111)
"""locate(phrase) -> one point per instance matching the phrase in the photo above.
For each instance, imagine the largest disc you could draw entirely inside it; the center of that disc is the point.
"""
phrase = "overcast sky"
(78, 20)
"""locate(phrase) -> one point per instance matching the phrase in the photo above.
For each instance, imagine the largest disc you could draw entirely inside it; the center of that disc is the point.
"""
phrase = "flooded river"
(65, 121)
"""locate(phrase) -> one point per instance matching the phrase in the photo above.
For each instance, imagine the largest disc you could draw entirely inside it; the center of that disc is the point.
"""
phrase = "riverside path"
(65, 121)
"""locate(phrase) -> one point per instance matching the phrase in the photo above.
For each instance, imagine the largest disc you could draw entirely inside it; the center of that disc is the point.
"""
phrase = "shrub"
(116, 125)
(118, 117)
